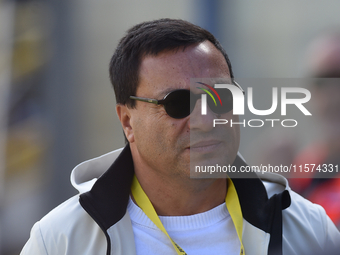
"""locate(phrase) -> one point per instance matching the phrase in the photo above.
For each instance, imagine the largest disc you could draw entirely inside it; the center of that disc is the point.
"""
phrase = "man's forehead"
(205, 48)
(171, 70)
(197, 82)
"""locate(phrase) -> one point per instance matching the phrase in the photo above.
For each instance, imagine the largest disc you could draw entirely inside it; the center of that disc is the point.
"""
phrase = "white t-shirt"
(211, 232)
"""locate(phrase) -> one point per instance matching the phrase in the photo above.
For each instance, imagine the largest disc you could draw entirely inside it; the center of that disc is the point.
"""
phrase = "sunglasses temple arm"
(143, 99)
(238, 85)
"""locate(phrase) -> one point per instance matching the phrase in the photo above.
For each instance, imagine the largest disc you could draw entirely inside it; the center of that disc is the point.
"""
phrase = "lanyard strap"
(234, 208)
(231, 200)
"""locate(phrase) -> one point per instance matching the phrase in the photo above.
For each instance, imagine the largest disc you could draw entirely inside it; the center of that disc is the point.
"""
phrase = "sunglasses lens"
(177, 104)
(226, 99)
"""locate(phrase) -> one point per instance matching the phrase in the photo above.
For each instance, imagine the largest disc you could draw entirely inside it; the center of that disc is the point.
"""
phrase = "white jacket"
(96, 221)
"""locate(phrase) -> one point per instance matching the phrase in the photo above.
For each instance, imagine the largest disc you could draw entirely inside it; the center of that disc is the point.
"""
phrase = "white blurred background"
(57, 107)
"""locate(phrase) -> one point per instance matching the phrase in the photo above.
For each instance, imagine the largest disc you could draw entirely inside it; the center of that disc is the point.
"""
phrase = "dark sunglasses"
(180, 103)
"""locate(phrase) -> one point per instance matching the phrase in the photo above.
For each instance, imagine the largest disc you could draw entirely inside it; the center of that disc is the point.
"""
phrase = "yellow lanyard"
(232, 203)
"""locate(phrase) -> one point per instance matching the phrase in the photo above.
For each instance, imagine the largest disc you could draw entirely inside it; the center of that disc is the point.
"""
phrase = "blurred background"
(57, 106)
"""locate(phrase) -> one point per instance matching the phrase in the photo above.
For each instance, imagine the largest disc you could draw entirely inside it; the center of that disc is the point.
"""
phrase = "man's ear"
(124, 116)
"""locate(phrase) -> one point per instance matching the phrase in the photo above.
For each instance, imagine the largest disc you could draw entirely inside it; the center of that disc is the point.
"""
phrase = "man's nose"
(200, 121)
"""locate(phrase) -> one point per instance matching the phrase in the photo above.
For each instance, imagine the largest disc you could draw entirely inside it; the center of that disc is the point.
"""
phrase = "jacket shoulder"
(307, 226)
(67, 229)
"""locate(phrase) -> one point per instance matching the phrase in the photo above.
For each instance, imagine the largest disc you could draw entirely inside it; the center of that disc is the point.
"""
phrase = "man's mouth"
(205, 146)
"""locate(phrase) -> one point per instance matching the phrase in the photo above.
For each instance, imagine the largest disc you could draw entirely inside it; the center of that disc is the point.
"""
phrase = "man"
(146, 202)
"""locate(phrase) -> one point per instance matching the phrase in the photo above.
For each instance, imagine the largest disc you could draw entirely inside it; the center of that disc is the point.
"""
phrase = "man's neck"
(182, 196)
